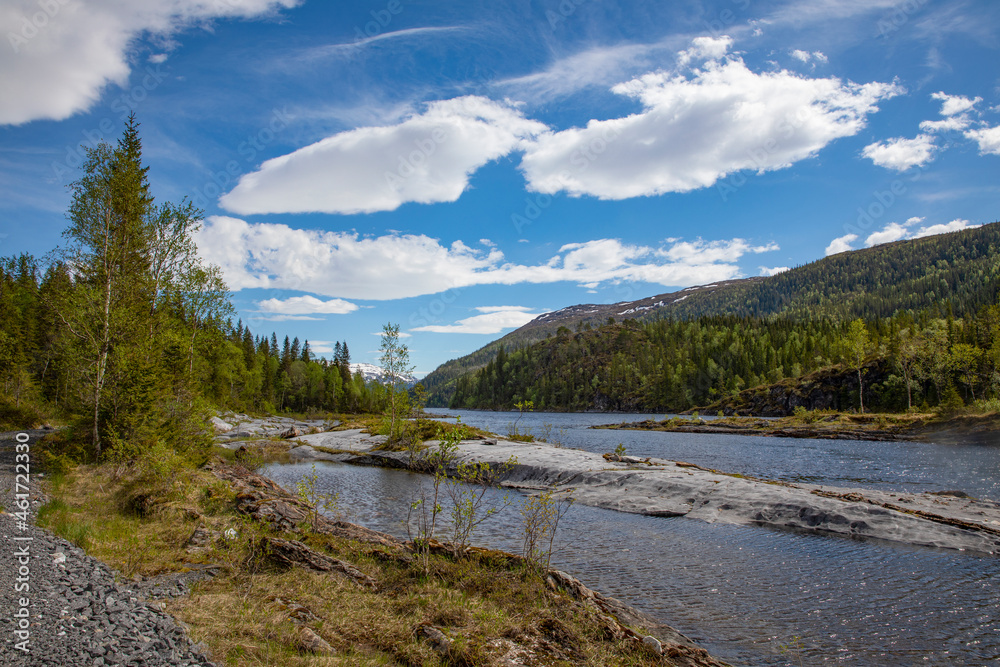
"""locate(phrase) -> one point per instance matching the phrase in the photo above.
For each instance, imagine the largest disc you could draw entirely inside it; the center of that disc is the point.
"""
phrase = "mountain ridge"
(958, 271)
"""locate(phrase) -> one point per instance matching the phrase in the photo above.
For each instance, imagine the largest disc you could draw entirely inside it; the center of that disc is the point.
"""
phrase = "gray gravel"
(79, 611)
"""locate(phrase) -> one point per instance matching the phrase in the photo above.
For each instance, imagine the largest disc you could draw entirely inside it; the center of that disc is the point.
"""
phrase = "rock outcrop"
(659, 487)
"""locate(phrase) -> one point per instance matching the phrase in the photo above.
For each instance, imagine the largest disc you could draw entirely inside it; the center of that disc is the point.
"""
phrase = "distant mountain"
(958, 272)
(373, 373)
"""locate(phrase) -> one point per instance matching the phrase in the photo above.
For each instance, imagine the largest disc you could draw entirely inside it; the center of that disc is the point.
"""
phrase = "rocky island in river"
(660, 487)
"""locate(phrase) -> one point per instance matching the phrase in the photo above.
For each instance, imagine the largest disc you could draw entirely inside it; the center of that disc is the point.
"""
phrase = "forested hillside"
(957, 274)
(673, 365)
(127, 333)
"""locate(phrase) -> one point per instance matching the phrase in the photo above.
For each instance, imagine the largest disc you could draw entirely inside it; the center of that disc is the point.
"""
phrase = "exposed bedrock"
(668, 488)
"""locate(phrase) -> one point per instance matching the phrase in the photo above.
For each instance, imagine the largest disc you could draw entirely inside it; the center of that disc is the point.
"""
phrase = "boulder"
(220, 426)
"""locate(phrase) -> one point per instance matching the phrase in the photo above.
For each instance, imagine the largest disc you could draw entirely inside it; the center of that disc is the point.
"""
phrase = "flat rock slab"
(354, 440)
(669, 488)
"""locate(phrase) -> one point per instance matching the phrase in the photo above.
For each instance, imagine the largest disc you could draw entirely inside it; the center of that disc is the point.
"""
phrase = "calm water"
(751, 595)
(897, 466)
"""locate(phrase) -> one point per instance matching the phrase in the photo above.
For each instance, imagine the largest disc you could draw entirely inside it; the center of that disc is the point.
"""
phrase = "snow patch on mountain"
(373, 373)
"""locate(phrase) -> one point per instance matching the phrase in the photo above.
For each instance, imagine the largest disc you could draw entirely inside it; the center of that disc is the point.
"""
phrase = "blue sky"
(460, 167)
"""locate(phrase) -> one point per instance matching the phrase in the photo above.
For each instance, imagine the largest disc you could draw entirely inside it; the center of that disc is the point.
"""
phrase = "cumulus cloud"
(949, 124)
(694, 130)
(426, 158)
(705, 48)
(772, 271)
(900, 153)
(493, 320)
(955, 104)
(895, 231)
(841, 244)
(956, 225)
(987, 138)
(306, 305)
(891, 232)
(348, 266)
(61, 55)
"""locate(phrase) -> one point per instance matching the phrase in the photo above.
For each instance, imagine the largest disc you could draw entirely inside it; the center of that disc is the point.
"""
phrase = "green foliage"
(470, 504)
(931, 277)
(540, 516)
(317, 500)
(126, 334)
(395, 362)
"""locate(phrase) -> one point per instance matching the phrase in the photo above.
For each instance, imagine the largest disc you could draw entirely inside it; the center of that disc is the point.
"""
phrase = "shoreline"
(659, 487)
(892, 427)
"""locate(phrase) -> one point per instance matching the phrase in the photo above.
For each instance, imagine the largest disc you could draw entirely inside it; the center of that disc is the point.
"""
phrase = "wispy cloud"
(492, 320)
(347, 48)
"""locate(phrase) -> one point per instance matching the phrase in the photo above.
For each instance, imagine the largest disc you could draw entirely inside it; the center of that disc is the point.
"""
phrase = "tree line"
(672, 365)
(125, 330)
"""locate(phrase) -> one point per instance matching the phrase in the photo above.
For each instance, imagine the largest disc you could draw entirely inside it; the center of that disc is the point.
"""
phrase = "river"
(752, 595)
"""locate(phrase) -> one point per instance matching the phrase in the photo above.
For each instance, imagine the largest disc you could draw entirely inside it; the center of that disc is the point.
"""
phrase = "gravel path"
(75, 610)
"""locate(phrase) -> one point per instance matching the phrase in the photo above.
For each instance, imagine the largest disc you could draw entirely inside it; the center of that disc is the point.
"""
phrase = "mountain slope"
(958, 271)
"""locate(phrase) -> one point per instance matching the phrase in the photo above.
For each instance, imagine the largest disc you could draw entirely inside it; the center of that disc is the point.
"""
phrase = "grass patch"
(253, 613)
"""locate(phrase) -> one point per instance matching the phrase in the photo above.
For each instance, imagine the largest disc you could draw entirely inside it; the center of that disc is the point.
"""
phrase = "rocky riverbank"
(660, 487)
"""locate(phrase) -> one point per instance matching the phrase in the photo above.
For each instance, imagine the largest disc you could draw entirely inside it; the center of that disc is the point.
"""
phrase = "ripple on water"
(750, 595)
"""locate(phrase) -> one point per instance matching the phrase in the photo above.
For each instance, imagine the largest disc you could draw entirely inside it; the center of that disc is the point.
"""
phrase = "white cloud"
(59, 60)
(948, 124)
(900, 153)
(841, 244)
(891, 232)
(347, 266)
(321, 346)
(493, 320)
(705, 48)
(772, 271)
(306, 305)
(987, 138)
(805, 56)
(426, 158)
(955, 104)
(597, 66)
(693, 131)
(956, 225)
(895, 231)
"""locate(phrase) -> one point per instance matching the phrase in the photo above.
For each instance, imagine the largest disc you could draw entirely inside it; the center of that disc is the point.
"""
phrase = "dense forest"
(124, 330)
(955, 275)
(673, 365)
